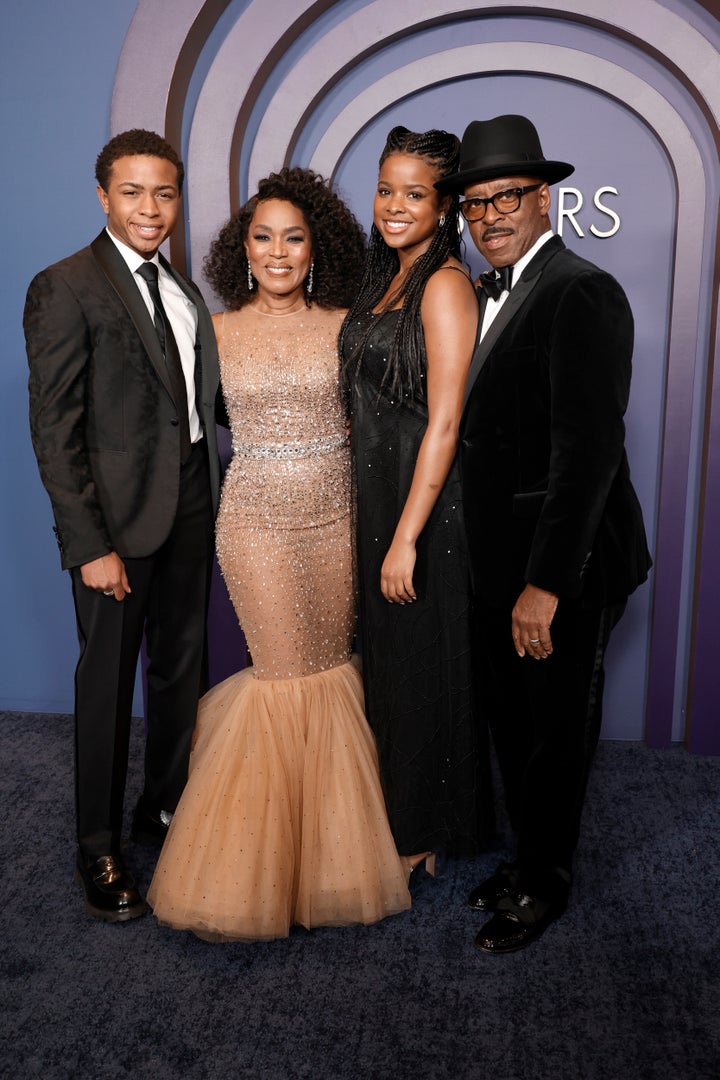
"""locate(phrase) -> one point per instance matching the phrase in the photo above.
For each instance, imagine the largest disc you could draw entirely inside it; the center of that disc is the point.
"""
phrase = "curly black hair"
(129, 143)
(338, 240)
(406, 366)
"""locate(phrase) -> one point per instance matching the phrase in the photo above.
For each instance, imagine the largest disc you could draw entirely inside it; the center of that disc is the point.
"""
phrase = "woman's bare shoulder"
(446, 288)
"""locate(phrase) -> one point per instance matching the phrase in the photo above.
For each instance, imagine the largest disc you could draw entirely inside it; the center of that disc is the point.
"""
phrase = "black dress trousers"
(168, 601)
(545, 718)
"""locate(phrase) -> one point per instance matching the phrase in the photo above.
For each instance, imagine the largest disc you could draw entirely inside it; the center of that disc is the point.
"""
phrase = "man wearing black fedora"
(554, 526)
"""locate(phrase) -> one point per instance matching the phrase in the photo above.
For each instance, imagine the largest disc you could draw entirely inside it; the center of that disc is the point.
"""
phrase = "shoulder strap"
(460, 270)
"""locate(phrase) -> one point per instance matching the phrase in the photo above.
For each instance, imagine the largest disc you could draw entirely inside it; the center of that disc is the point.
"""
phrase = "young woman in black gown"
(406, 347)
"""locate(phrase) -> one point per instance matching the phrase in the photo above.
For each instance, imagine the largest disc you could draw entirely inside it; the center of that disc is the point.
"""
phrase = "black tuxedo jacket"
(102, 418)
(546, 484)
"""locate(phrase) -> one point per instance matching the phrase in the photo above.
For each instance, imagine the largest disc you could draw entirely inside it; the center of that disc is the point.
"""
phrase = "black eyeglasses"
(505, 202)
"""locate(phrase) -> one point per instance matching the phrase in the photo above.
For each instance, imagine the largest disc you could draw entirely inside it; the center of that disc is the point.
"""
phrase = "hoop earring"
(310, 278)
(250, 278)
(441, 221)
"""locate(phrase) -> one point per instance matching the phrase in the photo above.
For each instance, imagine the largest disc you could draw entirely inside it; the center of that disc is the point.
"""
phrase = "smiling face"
(503, 239)
(407, 206)
(142, 201)
(279, 247)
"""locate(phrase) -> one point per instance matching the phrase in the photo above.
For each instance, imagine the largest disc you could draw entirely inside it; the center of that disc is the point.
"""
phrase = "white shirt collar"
(133, 260)
(529, 255)
(492, 306)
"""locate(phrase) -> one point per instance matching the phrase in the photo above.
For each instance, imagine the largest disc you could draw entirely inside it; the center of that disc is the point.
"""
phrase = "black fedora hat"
(504, 146)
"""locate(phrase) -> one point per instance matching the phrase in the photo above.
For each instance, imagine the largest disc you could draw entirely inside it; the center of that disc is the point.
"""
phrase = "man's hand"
(531, 620)
(107, 576)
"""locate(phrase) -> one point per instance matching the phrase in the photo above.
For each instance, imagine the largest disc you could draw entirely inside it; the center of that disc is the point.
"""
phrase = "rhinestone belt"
(287, 450)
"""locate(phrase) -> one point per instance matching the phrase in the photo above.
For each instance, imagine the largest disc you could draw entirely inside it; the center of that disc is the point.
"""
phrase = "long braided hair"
(406, 363)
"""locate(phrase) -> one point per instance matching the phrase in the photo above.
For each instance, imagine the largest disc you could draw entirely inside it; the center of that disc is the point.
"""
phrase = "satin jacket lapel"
(518, 296)
(116, 270)
(515, 300)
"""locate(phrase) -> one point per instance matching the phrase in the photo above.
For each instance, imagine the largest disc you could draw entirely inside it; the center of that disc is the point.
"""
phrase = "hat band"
(501, 159)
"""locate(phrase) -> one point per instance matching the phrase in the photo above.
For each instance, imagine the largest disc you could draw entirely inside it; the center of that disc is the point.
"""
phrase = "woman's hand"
(449, 312)
(396, 575)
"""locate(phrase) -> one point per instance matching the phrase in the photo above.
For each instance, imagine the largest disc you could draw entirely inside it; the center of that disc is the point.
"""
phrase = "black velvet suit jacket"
(546, 484)
(103, 422)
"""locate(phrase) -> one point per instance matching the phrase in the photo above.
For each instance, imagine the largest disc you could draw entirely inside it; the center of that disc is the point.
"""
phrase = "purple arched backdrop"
(632, 97)
(642, 149)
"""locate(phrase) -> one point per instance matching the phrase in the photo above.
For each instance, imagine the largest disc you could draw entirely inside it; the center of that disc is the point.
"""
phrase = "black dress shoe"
(518, 921)
(150, 828)
(487, 895)
(110, 891)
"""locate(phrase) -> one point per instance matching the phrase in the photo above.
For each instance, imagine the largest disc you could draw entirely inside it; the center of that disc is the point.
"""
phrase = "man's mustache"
(493, 230)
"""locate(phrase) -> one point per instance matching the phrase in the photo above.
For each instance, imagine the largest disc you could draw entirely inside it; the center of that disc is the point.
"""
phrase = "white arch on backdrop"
(249, 40)
(239, 60)
(520, 57)
(337, 50)
(145, 72)
(591, 71)
(142, 87)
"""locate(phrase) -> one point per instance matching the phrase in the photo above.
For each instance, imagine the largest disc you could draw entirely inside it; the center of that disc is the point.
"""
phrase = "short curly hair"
(338, 240)
(129, 143)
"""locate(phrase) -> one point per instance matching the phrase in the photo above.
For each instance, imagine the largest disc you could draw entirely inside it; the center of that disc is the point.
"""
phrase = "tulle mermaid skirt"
(283, 819)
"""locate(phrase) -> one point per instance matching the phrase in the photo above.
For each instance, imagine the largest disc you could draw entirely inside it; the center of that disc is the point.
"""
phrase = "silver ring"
(108, 592)
(534, 640)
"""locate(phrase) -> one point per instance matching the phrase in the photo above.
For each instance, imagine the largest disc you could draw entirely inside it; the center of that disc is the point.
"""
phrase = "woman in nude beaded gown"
(283, 819)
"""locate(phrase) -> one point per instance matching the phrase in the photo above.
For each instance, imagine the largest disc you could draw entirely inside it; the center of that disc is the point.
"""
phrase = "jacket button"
(175, 422)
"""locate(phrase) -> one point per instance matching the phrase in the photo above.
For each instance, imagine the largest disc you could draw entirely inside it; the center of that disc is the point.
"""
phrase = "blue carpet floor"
(624, 987)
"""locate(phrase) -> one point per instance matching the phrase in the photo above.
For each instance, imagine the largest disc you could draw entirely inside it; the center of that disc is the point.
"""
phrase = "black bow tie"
(495, 282)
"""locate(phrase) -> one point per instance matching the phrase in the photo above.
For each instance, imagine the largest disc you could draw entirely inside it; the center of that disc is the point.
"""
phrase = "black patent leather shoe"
(150, 828)
(488, 893)
(518, 921)
(110, 891)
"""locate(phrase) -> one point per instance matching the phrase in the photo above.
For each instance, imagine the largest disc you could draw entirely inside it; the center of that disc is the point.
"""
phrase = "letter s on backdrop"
(605, 210)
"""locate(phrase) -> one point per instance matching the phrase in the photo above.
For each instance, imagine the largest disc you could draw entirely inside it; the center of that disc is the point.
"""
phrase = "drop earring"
(310, 279)
(250, 277)
(441, 221)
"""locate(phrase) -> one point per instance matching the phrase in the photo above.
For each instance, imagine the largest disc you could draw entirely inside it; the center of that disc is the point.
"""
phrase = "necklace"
(279, 314)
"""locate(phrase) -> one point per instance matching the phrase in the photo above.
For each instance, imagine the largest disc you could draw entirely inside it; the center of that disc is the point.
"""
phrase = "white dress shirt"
(492, 307)
(182, 314)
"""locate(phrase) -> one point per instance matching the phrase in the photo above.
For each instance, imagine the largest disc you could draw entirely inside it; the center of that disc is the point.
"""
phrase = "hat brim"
(549, 171)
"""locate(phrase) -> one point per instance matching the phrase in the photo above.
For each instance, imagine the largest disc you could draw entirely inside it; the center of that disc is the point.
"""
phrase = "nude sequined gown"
(283, 819)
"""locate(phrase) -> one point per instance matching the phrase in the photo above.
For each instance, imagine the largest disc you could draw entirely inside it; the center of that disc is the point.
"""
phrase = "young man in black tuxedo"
(123, 380)
(555, 529)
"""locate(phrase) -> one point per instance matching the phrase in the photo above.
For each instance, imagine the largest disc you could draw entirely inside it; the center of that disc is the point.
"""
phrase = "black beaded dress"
(416, 657)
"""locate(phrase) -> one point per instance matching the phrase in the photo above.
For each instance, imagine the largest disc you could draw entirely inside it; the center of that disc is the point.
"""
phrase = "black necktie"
(149, 273)
(495, 282)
